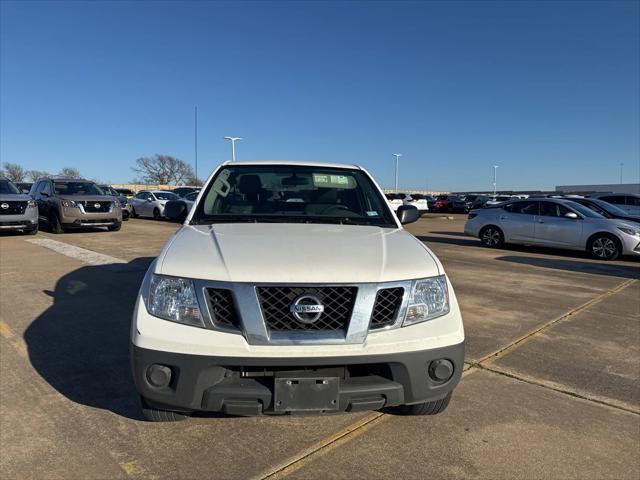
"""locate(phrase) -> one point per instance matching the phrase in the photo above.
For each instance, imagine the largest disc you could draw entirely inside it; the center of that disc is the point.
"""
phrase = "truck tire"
(426, 408)
(54, 223)
(158, 415)
(116, 227)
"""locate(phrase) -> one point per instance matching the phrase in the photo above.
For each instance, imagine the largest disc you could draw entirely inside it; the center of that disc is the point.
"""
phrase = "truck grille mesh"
(276, 304)
(13, 208)
(223, 310)
(386, 307)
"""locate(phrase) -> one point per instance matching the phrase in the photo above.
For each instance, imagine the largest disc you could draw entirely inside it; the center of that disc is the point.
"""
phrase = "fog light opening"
(159, 375)
(441, 370)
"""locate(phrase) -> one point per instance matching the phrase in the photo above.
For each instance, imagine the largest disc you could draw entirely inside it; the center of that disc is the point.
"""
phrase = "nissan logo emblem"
(96, 205)
(307, 309)
(4, 206)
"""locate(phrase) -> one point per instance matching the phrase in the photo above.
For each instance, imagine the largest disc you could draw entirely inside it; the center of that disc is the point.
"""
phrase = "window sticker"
(372, 213)
(333, 181)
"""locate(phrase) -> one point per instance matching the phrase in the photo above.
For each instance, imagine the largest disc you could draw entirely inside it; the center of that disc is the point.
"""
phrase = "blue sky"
(549, 91)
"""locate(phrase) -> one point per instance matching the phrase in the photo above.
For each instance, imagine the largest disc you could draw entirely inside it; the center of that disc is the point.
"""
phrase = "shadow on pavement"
(80, 345)
(609, 269)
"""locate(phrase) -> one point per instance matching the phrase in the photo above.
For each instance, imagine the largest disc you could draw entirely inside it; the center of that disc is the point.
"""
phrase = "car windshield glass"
(109, 191)
(292, 194)
(610, 208)
(587, 212)
(76, 188)
(8, 188)
(166, 196)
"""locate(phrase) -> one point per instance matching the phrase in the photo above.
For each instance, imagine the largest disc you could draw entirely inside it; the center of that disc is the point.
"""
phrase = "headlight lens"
(31, 204)
(68, 203)
(629, 231)
(174, 299)
(429, 299)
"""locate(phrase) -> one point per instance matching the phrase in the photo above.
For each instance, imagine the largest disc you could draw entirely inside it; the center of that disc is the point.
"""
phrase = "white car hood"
(295, 253)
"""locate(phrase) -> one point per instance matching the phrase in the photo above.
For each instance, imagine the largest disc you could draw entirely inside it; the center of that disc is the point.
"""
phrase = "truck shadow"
(80, 344)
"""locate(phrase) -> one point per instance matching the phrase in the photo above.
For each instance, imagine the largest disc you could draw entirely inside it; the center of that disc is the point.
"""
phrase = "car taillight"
(472, 215)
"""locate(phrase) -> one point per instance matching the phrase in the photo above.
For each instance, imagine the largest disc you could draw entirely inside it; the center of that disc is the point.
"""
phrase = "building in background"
(613, 187)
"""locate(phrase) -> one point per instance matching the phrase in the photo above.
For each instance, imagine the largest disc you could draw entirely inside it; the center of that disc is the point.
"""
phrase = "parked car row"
(587, 224)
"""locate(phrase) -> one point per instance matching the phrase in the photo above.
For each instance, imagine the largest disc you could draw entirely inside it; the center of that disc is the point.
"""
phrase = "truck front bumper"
(247, 386)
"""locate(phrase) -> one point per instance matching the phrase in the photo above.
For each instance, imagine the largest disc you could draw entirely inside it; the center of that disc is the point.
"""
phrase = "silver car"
(18, 211)
(151, 203)
(629, 202)
(554, 223)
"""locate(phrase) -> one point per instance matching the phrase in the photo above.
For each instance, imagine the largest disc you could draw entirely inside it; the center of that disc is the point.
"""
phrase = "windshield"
(610, 208)
(587, 212)
(292, 194)
(109, 191)
(166, 196)
(76, 188)
(8, 188)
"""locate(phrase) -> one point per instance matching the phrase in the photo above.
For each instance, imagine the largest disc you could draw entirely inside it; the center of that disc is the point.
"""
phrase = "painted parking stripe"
(82, 254)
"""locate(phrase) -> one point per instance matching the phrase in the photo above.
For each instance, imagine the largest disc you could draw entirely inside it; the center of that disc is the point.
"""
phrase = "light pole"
(195, 143)
(495, 170)
(233, 146)
(397, 155)
(621, 165)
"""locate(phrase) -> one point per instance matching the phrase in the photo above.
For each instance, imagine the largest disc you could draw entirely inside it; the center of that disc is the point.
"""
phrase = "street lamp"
(233, 146)
(495, 170)
(397, 155)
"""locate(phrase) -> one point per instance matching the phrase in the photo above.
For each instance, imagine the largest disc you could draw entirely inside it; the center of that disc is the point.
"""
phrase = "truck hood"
(295, 253)
(86, 198)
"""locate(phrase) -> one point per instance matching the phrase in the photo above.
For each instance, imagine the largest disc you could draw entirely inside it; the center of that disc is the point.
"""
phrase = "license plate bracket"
(305, 394)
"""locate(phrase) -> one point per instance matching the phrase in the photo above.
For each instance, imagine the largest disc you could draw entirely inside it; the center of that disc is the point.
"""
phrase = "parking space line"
(561, 388)
(324, 446)
(82, 254)
(516, 343)
(16, 341)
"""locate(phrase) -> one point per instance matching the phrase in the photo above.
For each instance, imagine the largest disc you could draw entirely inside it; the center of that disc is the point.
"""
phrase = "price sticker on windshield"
(333, 181)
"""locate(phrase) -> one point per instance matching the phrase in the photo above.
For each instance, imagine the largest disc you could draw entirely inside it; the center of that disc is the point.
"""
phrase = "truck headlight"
(174, 299)
(31, 204)
(69, 203)
(429, 299)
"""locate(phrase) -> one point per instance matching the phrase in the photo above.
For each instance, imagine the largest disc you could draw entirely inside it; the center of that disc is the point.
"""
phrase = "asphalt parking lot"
(551, 389)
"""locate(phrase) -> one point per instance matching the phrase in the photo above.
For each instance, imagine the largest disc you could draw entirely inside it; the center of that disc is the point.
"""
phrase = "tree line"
(159, 169)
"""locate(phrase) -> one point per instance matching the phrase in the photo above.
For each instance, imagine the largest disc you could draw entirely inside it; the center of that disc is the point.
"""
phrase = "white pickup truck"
(292, 287)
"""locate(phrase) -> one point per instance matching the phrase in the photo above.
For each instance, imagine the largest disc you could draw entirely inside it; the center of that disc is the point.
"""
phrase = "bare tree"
(34, 175)
(192, 181)
(14, 172)
(163, 169)
(70, 172)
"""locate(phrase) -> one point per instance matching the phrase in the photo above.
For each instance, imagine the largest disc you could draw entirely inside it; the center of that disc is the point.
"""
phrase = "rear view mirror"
(407, 214)
(571, 215)
(176, 210)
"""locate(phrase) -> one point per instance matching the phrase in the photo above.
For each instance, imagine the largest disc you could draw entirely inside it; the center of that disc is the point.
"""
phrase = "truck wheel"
(156, 214)
(604, 246)
(158, 415)
(54, 223)
(491, 237)
(115, 228)
(426, 408)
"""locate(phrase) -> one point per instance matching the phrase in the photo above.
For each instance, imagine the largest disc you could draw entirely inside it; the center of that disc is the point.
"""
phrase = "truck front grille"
(222, 308)
(12, 207)
(90, 207)
(386, 307)
(276, 305)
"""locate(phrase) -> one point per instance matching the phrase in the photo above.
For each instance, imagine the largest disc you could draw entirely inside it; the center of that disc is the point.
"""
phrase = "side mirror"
(149, 200)
(407, 214)
(176, 210)
(571, 215)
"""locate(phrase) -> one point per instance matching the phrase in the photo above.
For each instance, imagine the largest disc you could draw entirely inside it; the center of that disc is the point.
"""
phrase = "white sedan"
(151, 203)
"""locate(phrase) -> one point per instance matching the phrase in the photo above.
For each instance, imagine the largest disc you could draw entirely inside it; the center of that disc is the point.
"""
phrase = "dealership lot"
(551, 387)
